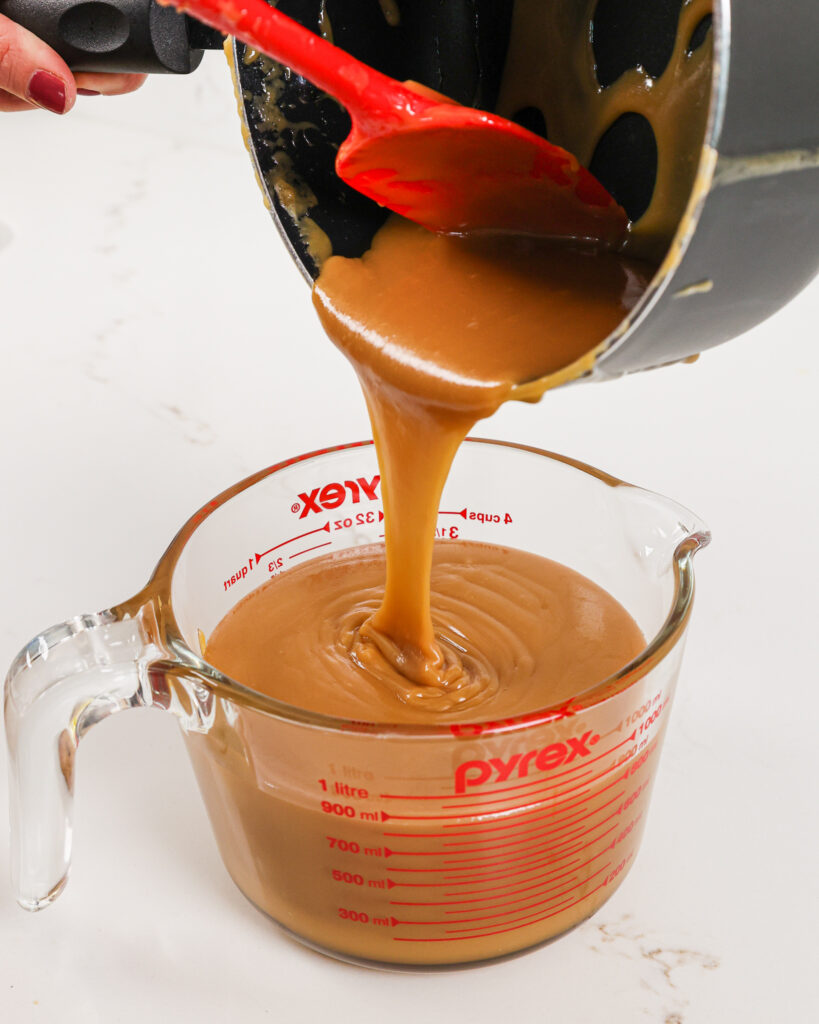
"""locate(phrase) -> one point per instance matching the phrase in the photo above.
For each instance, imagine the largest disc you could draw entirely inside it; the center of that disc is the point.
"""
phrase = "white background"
(158, 346)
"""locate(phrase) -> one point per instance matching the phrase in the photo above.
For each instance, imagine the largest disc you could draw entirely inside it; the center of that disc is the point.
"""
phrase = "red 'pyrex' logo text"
(477, 773)
(334, 495)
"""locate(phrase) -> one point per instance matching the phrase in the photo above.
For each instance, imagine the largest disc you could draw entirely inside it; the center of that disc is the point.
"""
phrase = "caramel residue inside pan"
(550, 66)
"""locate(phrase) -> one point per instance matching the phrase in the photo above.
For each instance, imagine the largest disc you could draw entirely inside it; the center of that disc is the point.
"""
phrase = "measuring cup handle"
(66, 680)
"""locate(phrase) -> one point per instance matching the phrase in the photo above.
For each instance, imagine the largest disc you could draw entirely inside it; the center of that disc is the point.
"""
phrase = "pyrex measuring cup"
(411, 845)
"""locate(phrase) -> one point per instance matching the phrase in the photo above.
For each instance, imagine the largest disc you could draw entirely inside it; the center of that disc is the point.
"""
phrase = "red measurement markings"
(531, 906)
(317, 546)
(475, 846)
(561, 908)
(542, 876)
(481, 804)
(556, 808)
(502, 892)
(567, 822)
(527, 819)
(506, 902)
(504, 857)
(461, 513)
(519, 820)
(525, 922)
(524, 785)
(536, 865)
(490, 906)
(553, 848)
(535, 868)
(478, 876)
(456, 881)
(505, 913)
(542, 880)
(567, 838)
(539, 831)
(525, 808)
(475, 874)
(572, 839)
(471, 879)
(411, 853)
(290, 540)
(530, 869)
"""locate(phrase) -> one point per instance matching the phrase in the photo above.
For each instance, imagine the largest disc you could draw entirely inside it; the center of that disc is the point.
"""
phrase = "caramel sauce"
(518, 632)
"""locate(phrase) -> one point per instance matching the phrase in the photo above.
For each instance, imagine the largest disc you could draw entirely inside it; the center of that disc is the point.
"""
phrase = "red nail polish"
(88, 92)
(48, 91)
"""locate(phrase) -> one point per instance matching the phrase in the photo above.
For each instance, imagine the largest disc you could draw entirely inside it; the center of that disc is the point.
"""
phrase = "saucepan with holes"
(700, 117)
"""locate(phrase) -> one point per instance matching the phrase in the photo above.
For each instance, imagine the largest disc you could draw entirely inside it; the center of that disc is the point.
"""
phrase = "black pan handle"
(116, 35)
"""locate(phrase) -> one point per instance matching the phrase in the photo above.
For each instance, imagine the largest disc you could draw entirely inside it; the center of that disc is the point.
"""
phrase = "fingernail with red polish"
(48, 91)
(88, 92)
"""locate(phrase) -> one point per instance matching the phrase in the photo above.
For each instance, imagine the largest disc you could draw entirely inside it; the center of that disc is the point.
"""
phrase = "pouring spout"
(663, 537)
(698, 539)
(660, 531)
(689, 534)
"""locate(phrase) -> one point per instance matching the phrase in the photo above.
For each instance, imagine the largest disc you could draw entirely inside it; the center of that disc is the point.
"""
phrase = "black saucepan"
(749, 239)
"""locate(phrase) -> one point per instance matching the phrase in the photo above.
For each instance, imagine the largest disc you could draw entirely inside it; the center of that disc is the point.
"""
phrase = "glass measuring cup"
(401, 845)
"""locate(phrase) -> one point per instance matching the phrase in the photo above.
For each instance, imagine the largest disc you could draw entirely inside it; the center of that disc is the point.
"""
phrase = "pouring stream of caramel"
(442, 330)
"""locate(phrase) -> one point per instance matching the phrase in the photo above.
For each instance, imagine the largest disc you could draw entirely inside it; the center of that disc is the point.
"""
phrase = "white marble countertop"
(158, 346)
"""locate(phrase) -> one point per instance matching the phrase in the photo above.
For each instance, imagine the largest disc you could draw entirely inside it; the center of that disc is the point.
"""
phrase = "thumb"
(31, 72)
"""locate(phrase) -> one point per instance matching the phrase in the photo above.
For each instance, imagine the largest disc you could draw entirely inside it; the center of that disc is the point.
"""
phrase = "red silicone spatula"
(448, 167)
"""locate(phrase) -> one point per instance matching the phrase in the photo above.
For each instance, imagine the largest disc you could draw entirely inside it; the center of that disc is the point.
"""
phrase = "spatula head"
(458, 48)
(454, 169)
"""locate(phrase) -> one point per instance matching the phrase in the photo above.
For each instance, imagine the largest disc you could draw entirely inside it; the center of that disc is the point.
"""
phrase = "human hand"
(32, 75)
